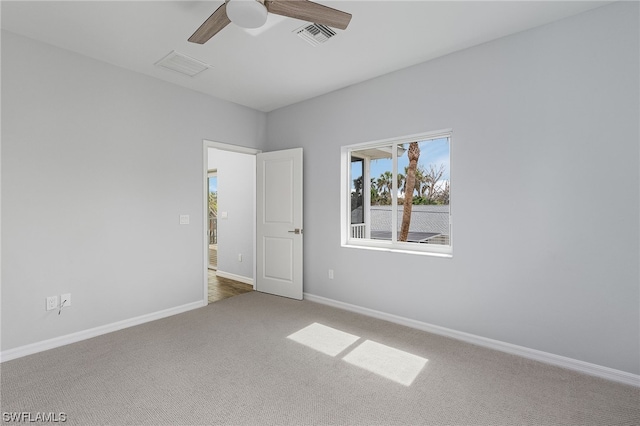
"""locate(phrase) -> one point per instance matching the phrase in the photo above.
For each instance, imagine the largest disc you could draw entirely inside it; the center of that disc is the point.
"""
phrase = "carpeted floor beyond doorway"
(256, 359)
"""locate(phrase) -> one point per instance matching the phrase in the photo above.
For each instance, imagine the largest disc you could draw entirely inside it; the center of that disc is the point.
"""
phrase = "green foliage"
(356, 195)
(427, 190)
(213, 203)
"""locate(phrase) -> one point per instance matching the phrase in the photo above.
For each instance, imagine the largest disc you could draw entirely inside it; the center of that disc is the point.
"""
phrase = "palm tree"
(356, 195)
(375, 196)
(413, 154)
(420, 185)
(401, 183)
(385, 184)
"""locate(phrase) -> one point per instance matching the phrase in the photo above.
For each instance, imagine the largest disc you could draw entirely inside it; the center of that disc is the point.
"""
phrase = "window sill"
(398, 250)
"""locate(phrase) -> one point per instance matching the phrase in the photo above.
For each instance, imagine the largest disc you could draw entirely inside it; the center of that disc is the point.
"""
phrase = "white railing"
(213, 230)
(358, 230)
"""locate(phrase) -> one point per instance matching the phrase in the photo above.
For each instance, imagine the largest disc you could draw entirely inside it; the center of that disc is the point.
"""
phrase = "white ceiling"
(275, 68)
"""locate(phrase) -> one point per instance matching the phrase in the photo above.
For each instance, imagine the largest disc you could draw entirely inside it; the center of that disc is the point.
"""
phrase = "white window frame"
(345, 200)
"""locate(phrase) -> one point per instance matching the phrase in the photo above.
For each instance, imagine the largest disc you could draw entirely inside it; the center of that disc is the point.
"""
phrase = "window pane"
(380, 176)
(423, 181)
(376, 166)
(357, 190)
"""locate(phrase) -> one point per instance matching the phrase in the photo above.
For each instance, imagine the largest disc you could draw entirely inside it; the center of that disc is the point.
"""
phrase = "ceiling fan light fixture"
(247, 13)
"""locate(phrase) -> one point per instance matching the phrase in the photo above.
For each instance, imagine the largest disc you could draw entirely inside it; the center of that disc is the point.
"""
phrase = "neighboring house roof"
(432, 218)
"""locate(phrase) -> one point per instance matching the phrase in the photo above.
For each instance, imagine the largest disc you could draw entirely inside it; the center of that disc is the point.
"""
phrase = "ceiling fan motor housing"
(247, 13)
(253, 14)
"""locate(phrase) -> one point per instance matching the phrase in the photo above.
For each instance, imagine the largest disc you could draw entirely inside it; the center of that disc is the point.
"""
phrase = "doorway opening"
(229, 220)
(212, 229)
(252, 184)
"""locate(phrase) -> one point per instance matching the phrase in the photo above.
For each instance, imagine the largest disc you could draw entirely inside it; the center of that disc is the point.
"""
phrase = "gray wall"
(98, 162)
(97, 165)
(545, 131)
(236, 196)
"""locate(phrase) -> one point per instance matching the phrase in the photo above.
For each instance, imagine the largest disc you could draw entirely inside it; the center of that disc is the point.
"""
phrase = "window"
(397, 192)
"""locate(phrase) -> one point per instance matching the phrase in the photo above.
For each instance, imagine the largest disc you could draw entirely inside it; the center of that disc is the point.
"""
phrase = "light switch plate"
(184, 219)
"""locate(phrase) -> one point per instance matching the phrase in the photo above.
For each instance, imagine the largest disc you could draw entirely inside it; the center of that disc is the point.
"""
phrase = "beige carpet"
(233, 363)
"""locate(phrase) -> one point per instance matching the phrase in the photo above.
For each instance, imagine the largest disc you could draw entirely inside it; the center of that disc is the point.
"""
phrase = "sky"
(213, 184)
(432, 152)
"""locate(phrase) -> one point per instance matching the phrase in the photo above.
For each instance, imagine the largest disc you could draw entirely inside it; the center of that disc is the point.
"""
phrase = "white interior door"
(279, 223)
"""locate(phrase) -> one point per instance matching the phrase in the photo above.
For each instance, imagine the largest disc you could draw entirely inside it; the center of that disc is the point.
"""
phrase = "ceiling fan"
(253, 14)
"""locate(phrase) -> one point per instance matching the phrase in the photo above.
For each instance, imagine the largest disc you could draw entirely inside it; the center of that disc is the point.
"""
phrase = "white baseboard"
(546, 357)
(235, 277)
(44, 345)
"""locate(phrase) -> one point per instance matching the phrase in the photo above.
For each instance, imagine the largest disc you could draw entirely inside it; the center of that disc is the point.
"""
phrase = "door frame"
(206, 145)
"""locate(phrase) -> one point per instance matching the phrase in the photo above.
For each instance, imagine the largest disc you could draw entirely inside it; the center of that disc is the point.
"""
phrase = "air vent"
(182, 63)
(315, 34)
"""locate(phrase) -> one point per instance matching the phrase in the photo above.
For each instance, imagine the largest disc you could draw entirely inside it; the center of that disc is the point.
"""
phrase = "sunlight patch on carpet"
(324, 339)
(390, 363)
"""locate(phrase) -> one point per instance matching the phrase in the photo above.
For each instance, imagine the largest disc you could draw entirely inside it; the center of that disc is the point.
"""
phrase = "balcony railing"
(358, 230)
(213, 230)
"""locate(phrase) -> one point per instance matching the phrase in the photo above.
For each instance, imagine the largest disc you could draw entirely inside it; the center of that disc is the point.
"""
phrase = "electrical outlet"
(51, 303)
(65, 300)
(330, 274)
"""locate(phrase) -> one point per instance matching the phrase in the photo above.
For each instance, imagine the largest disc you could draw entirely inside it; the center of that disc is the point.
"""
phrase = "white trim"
(240, 278)
(44, 345)
(404, 139)
(229, 147)
(536, 355)
(394, 192)
(346, 239)
(372, 245)
(345, 183)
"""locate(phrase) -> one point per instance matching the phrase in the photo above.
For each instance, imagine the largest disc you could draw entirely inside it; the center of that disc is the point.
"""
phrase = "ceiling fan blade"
(217, 21)
(309, 11)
